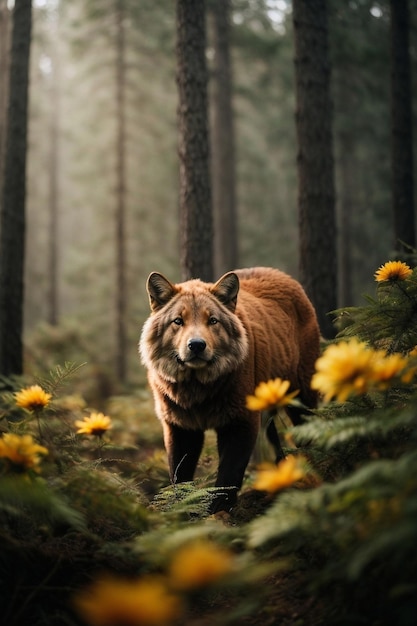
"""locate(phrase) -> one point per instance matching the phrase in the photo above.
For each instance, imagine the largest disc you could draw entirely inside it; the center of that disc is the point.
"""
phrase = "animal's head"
(193, 331)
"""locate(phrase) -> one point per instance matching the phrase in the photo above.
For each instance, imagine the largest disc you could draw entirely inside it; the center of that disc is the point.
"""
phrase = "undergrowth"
(83, 515)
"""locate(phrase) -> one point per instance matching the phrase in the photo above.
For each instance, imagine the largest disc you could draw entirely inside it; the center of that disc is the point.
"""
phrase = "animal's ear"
(226, 290)
(160, 290)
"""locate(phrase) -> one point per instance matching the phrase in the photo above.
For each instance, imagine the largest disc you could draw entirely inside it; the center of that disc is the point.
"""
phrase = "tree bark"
(196, 228)
(4, 77)
(346, 208)
(12, 249)
(401, 128)
(223, 143)
(54, 170)
(316, 200)
(121, 286)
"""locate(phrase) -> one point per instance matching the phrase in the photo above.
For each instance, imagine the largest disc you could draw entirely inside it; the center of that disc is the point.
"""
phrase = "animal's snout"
(196, 345)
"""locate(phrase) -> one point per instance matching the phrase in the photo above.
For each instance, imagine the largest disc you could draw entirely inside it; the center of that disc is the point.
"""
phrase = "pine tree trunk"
(196, 229)
(346, 208)
(402, 127)
(12, 246)
(4, 76)
(121, 289)
(316, 201)
(223, 144)
(54, 168)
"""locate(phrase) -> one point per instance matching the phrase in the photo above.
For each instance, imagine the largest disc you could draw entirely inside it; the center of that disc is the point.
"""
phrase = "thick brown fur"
(207, 346)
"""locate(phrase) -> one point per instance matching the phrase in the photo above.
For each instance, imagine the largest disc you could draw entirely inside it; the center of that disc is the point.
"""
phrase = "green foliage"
(355, 534)
(389, 319)
(48, 347)
(340, 545)
(59, 376)
(111, 506)
(381, 428)
(184, 501)
(28, 507)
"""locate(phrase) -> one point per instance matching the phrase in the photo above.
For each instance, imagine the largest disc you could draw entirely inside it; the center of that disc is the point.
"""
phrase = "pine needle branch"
(58, 376)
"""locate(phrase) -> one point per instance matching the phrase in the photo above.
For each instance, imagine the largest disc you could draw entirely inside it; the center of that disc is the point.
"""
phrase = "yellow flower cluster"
(393, 270)
(32, 398)
(144, 602)
(96, 424)
(21, 452)
(199, 564)
(154, 600)
(352, 367)
(273, 478)
(270, 394)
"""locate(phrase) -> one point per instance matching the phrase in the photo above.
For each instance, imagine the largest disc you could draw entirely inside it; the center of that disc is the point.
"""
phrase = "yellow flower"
(21, 451)
(388, 366)
(270, 394)
(344, 368)
(353, 367)
(273, 478)
(97, 424)
(411, 369)
(199, 564)
(32, 398)
(393, 270)
(114, 602)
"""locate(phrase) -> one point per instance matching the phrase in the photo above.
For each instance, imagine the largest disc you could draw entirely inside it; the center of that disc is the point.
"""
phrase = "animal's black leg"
(235, 445)
(296, 414)
(309, 398)
(183, 448)
(273, 437)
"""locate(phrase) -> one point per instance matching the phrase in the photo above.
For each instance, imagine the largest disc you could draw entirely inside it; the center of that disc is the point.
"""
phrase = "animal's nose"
(196, 345)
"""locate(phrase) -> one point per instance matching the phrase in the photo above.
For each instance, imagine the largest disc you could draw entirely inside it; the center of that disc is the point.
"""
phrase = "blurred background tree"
(74, 52)
(223, 158)
(4, 73)
(402, 128)
(196, 220)
(316, 195)
(13, 214)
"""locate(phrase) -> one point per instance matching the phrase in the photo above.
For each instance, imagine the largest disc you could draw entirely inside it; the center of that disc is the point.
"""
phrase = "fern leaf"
(59, 376)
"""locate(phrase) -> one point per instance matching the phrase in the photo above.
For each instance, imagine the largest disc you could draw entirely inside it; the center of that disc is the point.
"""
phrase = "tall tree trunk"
(316, 201)
(346, 208)
(4, 78)
(54, 162)
(223, 144)
(12, 246)
(402, 127)
(121, 287)
(196, 228)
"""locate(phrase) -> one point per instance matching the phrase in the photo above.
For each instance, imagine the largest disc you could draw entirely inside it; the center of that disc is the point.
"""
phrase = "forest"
(73, 185)
(193, 137)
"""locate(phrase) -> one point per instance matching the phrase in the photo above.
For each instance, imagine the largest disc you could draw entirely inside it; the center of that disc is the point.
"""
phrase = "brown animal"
(207, 346)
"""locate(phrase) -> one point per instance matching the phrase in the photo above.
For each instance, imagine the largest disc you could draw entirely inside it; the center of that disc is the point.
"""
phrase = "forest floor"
(41, 564)
(286, 601)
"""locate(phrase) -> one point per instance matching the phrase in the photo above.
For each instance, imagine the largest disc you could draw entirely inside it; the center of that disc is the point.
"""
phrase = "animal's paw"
(224, 500)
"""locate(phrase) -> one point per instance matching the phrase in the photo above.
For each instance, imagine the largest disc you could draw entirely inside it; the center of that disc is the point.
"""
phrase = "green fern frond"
(111, 505)
(59, 375)
(378, 426)
(329, 433)
(389, 319)
(330, 513)
(185, 500)
(31, 504)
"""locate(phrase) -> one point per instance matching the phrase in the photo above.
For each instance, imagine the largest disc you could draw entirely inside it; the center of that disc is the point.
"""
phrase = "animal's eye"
(178, 321)
(212, 320)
